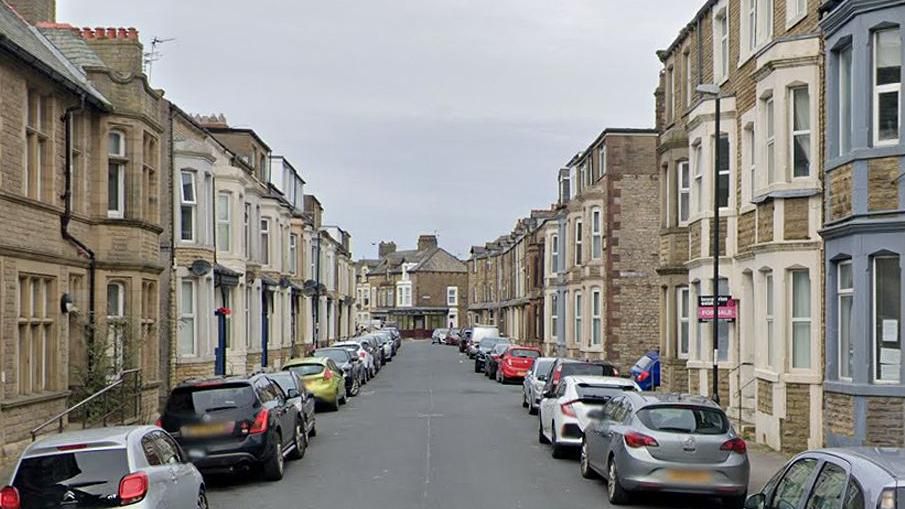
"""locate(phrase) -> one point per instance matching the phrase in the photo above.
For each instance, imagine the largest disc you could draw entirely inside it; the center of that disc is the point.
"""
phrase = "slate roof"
(429, 260)
(72, 46)
(29, 44)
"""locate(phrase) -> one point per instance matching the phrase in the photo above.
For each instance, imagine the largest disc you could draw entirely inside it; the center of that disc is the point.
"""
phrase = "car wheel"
(345, 396)
(274, 466)
(300, 438)
(524, 400)
(202, 501)
(735, 502)
(356, 388)
(615, 493)
(540, 434)
(313, 432)
(476, 368)
(584, 463)
(557, 451)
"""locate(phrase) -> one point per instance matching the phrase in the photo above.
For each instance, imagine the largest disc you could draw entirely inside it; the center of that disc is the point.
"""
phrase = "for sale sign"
(726, 310)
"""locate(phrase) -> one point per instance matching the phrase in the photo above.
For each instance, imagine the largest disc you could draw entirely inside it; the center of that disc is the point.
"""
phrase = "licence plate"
(689, 476)
(522, 372)
(196, 454)
(207, 430)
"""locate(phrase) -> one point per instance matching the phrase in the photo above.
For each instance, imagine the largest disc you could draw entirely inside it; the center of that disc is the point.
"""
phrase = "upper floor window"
(689, 78)
(671, 92)
(596, 233)
(721, 43)
(294, 254)
(188, 206)
(757, 26)
(844, 60)
(887, 86)
(723, 171)
(801, 132)
(684, 192)
(38, 180)
(770, 134)
(602, 161)
(749, 159)
(224, 221)
(698, 163)
(554, 253)
(801, 319)
(579, 233)
(795, 10)
(452, 296)
(265, 241)
(116, 174)
(845, 294)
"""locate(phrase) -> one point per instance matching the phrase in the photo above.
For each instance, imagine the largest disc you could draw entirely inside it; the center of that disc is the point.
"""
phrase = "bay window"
(844, 59)
(768, 319)
(596, 233)
(188, 206)
(224, 220)
(844, 300)
(596, 330)
(801, 132)
(684, 192)
(265, 241)
(294, 254)
(887, 86)
(801, 319)
(886, 318)
(116, 174)
(554, 315)
(683, 310)
(187, 318)
(578, 241)
(698, 176)
(577, 314)
(770, 132)
(554, 253)
(723, 171)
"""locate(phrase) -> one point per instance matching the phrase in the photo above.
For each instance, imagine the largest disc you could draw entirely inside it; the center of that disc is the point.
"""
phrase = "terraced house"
(864, 227)
(765, 57)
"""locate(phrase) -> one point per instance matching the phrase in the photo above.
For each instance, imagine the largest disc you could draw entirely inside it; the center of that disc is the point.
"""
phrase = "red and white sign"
(728, 312)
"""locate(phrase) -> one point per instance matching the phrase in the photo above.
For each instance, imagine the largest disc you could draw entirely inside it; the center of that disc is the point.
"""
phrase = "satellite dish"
(200, 268)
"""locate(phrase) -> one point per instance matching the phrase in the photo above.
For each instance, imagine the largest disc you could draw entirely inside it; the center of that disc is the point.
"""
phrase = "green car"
(323, 378)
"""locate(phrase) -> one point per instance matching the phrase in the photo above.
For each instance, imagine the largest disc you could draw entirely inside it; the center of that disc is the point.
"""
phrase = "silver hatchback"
(139, 467)
(665, 443)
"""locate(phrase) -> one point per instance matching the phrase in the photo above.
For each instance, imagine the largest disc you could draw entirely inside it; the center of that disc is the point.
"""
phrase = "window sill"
(33, 399)
(747, 207)
(766, 374)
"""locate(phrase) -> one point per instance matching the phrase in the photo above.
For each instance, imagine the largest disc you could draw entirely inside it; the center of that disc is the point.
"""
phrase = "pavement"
(429, 433)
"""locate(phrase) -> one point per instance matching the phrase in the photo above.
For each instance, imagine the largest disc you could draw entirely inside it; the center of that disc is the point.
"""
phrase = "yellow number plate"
(207, 430)
(689, 476)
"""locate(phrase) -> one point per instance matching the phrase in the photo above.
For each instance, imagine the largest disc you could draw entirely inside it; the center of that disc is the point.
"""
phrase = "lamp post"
(714, 91)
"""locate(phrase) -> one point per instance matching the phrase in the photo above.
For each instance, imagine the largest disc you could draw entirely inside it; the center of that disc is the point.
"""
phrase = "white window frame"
(190, 316)
(684, 192)
(750, 154)
(728, 171)
(689, 78)
(721, 43)
(843, 293)
(698, 177)
(596, 233)
(793, 320)
(293, 254)
(224, 223)
(576, 314)
(554, 315)
(770, 318)
(596, 311)
(884, 89)
(683, 320)
(115, 160)
(579, 240)
(800, 132)
(845, 131)
(554, 253)
(770, 138)
(452, 296)
(602, 156)
(265, 241)
(796, 10)
(874, 365)
(750, 24)
(188, 205)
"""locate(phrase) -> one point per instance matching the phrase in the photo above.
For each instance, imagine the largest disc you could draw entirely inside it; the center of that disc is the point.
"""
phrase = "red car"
(516, 362)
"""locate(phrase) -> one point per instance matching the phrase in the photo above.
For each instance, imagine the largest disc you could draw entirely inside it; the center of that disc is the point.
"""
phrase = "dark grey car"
(841, 478)
(484, 347)
(296, 393)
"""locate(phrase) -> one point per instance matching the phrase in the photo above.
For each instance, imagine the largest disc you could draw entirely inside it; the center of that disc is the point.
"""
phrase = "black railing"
(121, 399)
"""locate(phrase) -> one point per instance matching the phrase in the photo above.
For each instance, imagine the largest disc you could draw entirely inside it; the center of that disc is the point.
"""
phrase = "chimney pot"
(386, 248)
(427, 242)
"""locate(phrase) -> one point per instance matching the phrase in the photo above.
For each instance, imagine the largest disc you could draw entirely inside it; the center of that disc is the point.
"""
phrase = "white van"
(479, 332)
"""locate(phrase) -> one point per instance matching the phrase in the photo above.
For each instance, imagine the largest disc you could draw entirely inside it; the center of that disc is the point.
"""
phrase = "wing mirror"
(292, 393)
(755, 501)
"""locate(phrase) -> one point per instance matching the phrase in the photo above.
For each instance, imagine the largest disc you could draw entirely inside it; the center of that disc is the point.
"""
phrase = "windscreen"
(284, 380)
(525, 354)
(643, 363)
(90, 477)
(581, 368)
(685, 419)
(200, 400)
(307, 369)
(339, 356)
(488, 343)
(542, 368)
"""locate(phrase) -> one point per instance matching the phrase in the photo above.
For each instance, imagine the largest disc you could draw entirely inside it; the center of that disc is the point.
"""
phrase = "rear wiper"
(225, 407)
(76, 485)
(677, 430)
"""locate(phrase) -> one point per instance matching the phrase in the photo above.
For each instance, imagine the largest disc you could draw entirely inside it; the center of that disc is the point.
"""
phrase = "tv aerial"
(154, 55)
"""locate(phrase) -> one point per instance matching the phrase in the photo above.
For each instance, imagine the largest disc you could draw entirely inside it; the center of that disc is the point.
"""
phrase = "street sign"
(707, 300)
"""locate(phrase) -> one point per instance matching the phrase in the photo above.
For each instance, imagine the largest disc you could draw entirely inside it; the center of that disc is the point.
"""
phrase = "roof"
(890, 459)
(30, 45)
(435, 259)
(242, 130)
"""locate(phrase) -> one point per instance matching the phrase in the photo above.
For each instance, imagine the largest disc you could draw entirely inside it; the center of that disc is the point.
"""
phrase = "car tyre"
(275, 465)
(524, 400)
(300, 438)
(615, 493)
(345, 396)
(557, 451)
(356, 388)
(313, 432)
(735, 502)
(476, 368)
(584, 463)
(202, 501)
(540, 434)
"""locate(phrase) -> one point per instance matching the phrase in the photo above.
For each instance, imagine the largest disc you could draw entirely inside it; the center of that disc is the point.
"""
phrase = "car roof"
(305, 360)
(523, 347)
(114, 436)
(601, 380)
(213, 380)
(890, 459)
(671, 398)
(344, 343)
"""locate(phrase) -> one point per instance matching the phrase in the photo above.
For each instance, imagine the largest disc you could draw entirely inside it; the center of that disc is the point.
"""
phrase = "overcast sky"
(412, 116)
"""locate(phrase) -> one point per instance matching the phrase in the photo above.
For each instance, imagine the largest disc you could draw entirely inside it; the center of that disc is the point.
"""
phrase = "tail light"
(133, 488)
(361, 354)
(556, 375)
(642, 376)
(735, 445)
(636, 440)
(9, 498)
(567, 408)
(887, 499)
(328, 374)
(159, 422)
(261, 422)
(615, 371)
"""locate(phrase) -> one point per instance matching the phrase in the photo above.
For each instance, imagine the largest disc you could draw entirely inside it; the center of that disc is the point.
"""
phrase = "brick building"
(419, 290)
(765, 56)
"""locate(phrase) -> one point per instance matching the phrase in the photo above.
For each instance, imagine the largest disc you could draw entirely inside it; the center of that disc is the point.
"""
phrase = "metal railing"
(96, 407)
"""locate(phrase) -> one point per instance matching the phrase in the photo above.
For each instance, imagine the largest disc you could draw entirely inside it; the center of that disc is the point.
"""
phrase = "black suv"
(227, 424)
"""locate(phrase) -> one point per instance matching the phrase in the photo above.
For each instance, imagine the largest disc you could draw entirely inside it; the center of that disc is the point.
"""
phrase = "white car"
(355, 348)
(533, 384)
(563, 416)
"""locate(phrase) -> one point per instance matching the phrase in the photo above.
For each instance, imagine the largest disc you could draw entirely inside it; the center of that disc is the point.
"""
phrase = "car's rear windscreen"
(580, 368)
(685, 419)
(202, 399)
(601, 393)
(527, 354)
(84, 479)
(307, 369)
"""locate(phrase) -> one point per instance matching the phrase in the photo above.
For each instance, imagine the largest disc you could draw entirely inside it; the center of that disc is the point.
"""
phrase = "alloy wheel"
(202, 501)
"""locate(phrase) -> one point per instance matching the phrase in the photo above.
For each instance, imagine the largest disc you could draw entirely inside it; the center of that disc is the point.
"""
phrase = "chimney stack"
(386, 248)
(426, 242)
(35, 11)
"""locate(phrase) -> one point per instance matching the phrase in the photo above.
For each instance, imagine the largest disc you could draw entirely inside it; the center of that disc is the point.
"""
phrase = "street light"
(713, 90)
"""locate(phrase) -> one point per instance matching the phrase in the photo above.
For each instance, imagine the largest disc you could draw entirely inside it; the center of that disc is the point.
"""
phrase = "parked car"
(464, 339)
(376, 350)
(395, 336)
(533, 384)
(298, 395)
(135, 466)
(353, 368)
(358, 351)
(439, 336)
(231, 423)
(484, 348)
(563, 416)
(569, 367)
(323, 378)
(385, 338)
(646, 372)
(666, 443)
(452, 337)
(478, 333)
(515, 363)
(844, 478)
(492, 359)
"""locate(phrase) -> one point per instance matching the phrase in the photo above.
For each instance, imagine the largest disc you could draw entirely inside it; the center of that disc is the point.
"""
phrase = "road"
(428, 433)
